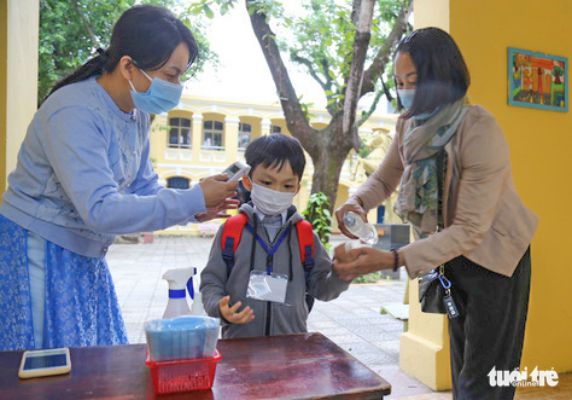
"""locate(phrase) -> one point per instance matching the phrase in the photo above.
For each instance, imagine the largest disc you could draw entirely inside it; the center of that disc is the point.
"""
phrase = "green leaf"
(64, 44)
(208, 11)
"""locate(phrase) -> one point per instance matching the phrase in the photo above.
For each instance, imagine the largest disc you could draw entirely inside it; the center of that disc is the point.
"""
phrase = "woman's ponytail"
(95, 66)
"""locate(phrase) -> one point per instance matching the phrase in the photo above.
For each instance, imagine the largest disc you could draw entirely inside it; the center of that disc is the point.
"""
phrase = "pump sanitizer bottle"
(180, 280)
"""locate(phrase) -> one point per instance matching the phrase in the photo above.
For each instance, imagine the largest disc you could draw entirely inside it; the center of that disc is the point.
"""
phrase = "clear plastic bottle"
(365, 232)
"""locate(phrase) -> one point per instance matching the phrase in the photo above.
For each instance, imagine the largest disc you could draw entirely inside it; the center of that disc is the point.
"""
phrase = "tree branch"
(377, 67)
(296, 120)
(326, 86)
(366, 114)
(385, 91)
(326, 72)
(360, 46)
(86, 25)
(313, 73)
(332, 103)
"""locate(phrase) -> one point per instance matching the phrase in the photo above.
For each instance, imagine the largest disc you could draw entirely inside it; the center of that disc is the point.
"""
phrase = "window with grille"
(244, 135)
(212, 135)
(275, 129)
(179, 133)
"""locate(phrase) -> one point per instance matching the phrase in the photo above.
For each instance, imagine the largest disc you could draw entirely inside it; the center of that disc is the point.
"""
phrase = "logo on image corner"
(518, 378)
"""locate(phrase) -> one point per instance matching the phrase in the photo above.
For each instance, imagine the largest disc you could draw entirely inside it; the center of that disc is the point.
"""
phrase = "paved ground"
(353, 321)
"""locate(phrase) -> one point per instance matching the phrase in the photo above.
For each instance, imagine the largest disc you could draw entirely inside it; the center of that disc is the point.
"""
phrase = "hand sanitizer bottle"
(180, 280)
(365, 232)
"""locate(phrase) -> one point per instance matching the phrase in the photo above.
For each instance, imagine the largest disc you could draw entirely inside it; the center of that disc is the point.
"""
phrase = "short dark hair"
(442, 75)
(272, 151)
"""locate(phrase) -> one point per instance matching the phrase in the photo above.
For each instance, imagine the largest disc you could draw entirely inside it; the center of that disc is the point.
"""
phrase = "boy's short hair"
(272, 151)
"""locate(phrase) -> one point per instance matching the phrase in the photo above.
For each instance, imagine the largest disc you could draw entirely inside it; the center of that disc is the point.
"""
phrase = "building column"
(265, 127)
(424, 348)
(231, 138)
(19, 33)
(197, 136)
(159, 137)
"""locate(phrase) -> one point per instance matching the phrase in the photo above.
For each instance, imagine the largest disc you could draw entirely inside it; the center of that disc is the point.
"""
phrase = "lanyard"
(269, 250)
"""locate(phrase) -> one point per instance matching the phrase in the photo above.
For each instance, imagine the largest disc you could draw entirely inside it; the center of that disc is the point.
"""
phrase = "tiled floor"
(561, 392)
(352, 321)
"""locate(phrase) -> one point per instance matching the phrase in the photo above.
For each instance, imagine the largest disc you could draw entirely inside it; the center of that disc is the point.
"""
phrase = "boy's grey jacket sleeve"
(324, 283)
(213, 278)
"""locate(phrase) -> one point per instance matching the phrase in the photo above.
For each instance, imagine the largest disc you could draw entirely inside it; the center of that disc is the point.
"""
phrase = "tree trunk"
(328, 147)
(328, 162)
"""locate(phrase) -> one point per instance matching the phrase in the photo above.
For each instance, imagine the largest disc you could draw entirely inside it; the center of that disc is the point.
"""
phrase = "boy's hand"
(231, 314)
(342, 253)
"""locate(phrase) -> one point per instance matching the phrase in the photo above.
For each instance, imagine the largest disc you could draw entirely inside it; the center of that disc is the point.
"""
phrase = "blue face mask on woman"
(161, 96)
(406, 96)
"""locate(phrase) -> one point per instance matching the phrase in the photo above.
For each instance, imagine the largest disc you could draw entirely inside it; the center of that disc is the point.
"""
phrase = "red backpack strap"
(306, 243)
(306, 247)
(231, 234)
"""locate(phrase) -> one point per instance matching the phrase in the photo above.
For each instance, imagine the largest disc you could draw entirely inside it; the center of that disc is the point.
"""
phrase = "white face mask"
(270, 202)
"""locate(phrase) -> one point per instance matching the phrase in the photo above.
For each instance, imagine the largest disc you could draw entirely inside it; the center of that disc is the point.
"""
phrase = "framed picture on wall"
(537, 80)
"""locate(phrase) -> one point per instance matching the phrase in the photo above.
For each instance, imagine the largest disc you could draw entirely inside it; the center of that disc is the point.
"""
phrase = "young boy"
(254, 277)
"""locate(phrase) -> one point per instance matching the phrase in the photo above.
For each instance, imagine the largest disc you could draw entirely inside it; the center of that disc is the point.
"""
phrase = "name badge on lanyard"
(267, 287)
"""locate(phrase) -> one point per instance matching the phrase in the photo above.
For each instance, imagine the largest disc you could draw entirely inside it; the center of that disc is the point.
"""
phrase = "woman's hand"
(216, 190)
(341, 211)
(218, 212)
(361, 261)
(230, 313)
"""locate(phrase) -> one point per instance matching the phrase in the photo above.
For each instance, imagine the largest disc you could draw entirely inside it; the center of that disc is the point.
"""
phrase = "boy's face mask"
(161, 96)
(270, 202)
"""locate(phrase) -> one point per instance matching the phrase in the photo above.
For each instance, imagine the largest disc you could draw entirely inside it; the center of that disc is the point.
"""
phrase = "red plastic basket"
(183, 375)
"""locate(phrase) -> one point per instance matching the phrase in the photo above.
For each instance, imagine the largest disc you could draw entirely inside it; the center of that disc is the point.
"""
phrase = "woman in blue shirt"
(83, 176)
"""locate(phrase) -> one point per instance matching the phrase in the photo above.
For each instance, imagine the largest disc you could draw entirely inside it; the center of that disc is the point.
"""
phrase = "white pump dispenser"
(179, 280)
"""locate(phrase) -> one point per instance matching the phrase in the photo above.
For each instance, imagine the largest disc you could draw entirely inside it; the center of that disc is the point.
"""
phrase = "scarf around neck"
(418, 199)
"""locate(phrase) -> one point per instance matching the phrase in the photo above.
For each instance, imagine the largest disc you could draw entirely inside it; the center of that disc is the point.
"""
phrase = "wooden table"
(305, 366)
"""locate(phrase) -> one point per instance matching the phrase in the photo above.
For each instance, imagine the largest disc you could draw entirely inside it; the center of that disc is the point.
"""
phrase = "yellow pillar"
(197, 136)
(484, 30)
(231, 138)
(540, 144)
(424, 348)
(22, 82)
(159, 137)
(265, 126)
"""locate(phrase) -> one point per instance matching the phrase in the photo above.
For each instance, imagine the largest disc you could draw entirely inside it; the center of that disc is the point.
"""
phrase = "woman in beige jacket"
(471, 221)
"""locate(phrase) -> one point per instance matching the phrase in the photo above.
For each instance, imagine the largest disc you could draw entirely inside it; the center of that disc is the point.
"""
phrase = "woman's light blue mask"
(161, 96)
(406, 97)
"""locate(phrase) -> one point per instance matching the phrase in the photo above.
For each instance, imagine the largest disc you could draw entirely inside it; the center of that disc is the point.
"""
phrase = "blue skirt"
(80, 304)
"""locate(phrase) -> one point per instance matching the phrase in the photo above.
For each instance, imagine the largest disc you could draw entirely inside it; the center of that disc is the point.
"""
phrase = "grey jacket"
(270, 318)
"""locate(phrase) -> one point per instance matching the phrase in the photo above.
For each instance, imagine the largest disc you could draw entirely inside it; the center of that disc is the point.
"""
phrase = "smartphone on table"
(36, 363)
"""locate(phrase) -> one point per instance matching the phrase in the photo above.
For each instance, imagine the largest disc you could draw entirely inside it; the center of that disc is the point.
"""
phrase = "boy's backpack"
(232, 232)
